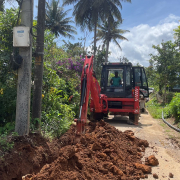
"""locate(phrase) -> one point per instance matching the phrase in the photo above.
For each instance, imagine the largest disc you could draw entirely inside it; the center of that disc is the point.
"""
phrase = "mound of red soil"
(103, 152)
(29, 155)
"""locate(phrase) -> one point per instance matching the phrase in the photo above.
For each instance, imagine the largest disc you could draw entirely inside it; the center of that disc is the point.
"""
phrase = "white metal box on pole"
(21, 36)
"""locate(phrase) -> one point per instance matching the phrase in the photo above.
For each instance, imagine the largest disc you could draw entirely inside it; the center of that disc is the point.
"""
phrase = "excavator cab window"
(139, 79)
(115, 78)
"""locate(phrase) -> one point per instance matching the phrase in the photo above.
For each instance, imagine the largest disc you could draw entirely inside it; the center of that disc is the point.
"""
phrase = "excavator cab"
(118, 80)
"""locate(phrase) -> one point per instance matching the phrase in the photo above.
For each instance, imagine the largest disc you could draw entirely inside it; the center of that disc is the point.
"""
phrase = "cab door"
(139, 79)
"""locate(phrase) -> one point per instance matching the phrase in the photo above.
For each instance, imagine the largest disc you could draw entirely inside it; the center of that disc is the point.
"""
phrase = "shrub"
(57, 114)
(169, 97)
(5, 141)
(175, 107)
(56, 122)
(156, 109)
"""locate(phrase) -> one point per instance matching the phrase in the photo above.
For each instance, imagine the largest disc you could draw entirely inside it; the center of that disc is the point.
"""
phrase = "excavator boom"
(89, 84)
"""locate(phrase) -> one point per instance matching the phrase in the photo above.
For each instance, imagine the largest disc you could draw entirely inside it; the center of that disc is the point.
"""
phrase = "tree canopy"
(166, 65)
(57, 21)
(108, 32)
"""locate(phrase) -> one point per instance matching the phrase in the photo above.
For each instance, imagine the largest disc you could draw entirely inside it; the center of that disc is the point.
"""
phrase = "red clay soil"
(103, 152)
(29, 155)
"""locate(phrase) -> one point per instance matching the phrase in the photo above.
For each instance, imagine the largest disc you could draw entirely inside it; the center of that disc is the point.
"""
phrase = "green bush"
(169, 97)
(8, 78)
(57, 122)
(7, 104)
(5, 141)
(7, 128)
(155, 109)
(175, 107)
(57, 113)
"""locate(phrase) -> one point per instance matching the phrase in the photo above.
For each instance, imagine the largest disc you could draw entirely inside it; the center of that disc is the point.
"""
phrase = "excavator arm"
(89, 87)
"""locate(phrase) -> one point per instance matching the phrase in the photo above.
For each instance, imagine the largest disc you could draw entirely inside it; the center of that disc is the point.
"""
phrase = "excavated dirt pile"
(102, 153)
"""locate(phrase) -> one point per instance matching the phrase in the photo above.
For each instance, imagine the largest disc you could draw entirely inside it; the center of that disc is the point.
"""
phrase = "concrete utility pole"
(24, 75)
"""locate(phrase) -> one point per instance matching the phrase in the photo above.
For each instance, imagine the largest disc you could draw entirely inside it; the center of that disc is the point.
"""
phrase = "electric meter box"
(21, 36)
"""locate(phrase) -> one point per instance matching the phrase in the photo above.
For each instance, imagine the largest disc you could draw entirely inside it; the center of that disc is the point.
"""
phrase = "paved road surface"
(161, 146)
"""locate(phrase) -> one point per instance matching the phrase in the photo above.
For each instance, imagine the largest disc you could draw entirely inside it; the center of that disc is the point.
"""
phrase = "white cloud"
(141, 38)
(169, 19)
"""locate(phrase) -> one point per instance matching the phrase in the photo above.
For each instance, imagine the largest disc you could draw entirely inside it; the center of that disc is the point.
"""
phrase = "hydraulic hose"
(176, 129)
(84, 82)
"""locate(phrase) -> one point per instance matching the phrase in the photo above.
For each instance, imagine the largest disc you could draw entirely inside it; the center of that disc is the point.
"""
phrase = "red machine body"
(99, 105)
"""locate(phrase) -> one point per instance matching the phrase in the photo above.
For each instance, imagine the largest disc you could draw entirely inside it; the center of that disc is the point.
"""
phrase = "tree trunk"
(107, 49)
(107, 43)
(38, 74)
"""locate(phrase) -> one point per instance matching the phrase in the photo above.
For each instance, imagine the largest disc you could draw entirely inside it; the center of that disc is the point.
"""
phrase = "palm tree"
(91, 12)
(109, 31)
(57, 22)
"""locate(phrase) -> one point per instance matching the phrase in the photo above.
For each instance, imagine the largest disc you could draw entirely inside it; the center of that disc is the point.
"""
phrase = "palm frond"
(57, 20)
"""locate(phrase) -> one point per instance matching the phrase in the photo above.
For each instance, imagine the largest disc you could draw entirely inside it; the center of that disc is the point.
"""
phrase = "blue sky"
(149, 22)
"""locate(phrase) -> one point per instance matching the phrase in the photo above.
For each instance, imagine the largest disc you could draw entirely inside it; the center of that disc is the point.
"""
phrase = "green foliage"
(167, 64)
(57, 114)
(110, 31)
(56, 20)
(75, 103)
(100, 58)
(73, 50)
(56, 122)
(5, 142)
(169, 110)
(7, 22)
(169, 97)
(175, 107)
(8, 104)
(61, 79)
(155, 109)
(7, 128)
(177, 34)
(151, 75)
(163, 71)
(8, 78)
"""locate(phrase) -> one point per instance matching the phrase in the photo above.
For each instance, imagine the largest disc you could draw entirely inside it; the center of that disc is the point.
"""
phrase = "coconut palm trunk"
(107, 42)
(107, 49)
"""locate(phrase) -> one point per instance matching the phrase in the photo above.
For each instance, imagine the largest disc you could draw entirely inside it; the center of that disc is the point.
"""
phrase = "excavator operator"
(116, 81)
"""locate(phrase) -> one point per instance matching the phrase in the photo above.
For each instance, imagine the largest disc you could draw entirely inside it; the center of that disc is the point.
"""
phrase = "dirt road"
(161, 143)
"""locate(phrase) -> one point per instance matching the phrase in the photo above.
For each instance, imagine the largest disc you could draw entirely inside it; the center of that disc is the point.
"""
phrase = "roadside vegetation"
(63, 66)
(155, 107)
(163, 74)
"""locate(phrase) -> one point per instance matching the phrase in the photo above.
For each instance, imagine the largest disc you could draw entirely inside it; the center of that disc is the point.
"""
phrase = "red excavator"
(118, 93)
